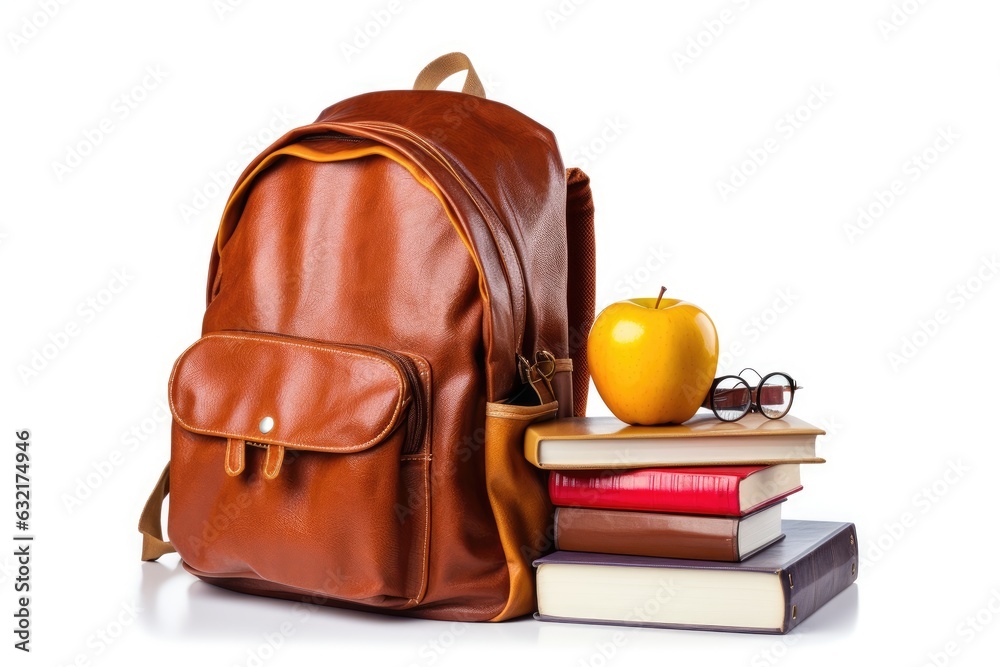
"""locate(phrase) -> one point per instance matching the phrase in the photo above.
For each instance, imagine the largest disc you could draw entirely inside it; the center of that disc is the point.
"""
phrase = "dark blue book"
(770, 592)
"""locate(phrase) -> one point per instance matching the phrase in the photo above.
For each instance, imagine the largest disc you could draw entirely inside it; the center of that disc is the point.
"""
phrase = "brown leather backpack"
(397, 290)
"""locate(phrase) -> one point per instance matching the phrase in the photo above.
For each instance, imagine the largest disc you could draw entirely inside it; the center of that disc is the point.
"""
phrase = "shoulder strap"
(153, 544)
(580, 291)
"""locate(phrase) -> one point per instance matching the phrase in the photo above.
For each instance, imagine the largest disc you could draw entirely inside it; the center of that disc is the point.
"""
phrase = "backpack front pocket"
(303, 463)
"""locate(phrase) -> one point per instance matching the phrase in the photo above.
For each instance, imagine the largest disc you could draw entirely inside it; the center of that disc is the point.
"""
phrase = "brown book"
(663, 535)
(605, 442)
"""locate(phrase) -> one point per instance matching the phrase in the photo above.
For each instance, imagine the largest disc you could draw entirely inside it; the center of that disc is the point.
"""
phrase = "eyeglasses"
(731, 397)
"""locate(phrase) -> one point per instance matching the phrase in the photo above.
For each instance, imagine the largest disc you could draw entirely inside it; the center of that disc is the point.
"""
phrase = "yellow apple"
(653, 360)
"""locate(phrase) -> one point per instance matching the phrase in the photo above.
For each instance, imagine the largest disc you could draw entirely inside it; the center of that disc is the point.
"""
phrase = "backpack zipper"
(487, 212)
(332, 136)
(416, 420)
(489, 215)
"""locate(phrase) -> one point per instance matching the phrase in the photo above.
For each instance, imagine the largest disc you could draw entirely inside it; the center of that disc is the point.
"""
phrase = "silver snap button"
(266, 424)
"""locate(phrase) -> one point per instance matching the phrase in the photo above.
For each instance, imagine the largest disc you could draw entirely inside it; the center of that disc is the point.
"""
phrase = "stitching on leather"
(424, 370)
(276, 465)
(427, 531)
(239, 457)
(353, 448)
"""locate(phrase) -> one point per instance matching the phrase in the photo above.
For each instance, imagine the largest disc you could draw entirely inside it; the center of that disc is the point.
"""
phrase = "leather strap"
(562, 387)
(541, 376)
(153, 544)
(441, 68)
(580, 281)
(235, 456)
(272, 462)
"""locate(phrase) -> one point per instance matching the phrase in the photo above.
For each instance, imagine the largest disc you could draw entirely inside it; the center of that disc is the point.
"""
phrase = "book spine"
(819, 576)
(652, 490)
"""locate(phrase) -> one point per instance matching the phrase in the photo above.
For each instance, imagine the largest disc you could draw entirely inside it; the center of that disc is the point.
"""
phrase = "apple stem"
(662, 290)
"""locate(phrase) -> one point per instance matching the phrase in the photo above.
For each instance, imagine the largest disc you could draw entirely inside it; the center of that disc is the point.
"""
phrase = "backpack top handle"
(441, 68)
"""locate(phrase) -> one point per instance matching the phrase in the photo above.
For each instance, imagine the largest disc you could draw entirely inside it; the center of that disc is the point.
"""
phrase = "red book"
(717, 490)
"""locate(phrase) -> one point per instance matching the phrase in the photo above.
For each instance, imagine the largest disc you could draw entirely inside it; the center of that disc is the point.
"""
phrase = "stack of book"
(680, 526)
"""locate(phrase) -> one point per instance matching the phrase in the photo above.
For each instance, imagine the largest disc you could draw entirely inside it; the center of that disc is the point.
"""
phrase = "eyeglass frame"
(754, 404)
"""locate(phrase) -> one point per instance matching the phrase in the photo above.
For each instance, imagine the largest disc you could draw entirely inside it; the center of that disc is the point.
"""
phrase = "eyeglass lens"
(731, 398)
(775, 395)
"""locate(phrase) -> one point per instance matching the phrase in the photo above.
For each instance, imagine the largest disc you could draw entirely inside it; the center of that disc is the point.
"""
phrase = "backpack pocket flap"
(291, 392)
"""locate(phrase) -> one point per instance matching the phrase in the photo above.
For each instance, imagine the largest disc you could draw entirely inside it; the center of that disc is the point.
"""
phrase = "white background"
(780, 264)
